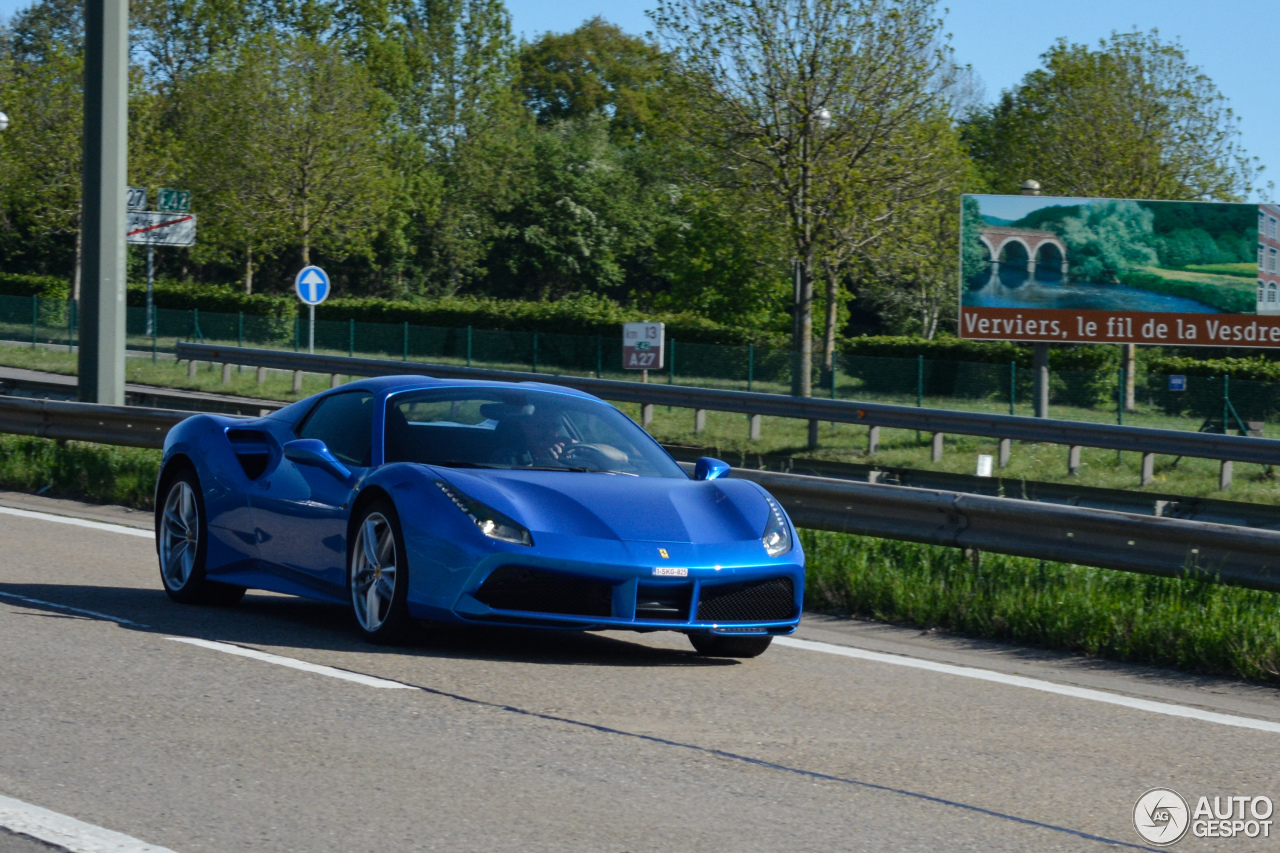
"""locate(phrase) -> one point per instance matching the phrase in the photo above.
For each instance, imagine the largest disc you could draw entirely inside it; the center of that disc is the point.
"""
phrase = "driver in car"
(543, 442)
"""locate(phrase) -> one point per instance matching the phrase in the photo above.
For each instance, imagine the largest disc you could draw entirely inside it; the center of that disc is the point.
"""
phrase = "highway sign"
(136, 198)
(642, 345)
(149, 228)
(173, 201)
(312, 285)
(1177, 383)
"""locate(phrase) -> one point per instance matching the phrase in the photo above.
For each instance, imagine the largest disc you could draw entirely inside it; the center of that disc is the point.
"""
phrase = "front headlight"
(777, 534)
(492, 523)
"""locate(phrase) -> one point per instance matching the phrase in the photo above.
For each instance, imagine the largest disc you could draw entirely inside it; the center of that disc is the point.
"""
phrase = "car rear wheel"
(378, 575)
(182, 541)
(720, 646)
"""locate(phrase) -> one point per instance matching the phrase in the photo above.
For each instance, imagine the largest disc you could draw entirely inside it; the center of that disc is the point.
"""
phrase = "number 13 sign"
(642, 345)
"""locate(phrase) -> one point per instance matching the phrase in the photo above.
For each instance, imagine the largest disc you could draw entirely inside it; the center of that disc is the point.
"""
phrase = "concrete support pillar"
(1148, 468)
(1041, 374)
(1002, 458)
(1073, 460)
(937, 447)
(226, 373)
(262, 375)
(873, 440)
(297, 381)
(1031, 266)
(699, 421)
(813, 435)
(191, 369)
(755, 427)
(1224, 475)
(646, 415)
(335, 379)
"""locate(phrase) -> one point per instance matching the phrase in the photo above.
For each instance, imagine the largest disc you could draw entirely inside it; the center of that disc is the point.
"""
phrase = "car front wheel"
(721, 646)
(182, 541)
(378, 575)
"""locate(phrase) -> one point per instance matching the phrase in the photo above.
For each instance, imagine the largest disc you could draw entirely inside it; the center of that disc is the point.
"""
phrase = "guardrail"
(1242, 556)
(939, 422)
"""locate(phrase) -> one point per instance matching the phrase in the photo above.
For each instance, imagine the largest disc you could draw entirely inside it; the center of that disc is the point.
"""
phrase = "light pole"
(102, 315)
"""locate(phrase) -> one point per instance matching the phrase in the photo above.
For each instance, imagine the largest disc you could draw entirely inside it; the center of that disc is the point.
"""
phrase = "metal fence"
(1206, 402)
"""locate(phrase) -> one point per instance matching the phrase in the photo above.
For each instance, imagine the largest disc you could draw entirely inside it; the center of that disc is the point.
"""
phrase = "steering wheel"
(588, 453)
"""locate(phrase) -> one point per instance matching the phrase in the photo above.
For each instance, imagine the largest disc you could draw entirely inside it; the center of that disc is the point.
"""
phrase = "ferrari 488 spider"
(463, 501)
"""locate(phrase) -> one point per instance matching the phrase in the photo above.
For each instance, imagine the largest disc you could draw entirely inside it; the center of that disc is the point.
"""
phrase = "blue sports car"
(407, 497)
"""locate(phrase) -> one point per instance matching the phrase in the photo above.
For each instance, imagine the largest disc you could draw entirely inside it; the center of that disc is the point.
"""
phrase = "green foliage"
(1129, 118)
(596, 70)
(1106, 239)
(44, 286)
(1253, 368)
(1188, 623)
(212, 298)
(93, 472)
(1233, 299)
(974, 255)
(580, 315)
(945, 348)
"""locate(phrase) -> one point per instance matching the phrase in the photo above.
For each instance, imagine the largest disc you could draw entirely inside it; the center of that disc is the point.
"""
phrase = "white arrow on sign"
(312, 279)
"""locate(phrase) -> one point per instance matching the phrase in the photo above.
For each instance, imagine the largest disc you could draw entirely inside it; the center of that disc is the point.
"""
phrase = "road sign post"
(642, 346)
(152, 228)
(312, 286)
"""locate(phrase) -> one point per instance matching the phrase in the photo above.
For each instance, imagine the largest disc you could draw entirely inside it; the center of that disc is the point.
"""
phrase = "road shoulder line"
(78, 522)
(66, 832)
(1150, 706)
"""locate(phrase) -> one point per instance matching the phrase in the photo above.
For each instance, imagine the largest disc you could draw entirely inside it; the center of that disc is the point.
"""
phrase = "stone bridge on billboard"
(1024, 248)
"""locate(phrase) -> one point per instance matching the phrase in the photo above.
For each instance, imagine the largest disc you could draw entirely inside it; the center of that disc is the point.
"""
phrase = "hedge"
(44, 286)
(215, 298)
(1253, 368)
(1063, 357)
(583, 315)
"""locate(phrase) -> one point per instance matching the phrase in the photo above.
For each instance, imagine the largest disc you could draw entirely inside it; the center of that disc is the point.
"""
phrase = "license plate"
(670, 572)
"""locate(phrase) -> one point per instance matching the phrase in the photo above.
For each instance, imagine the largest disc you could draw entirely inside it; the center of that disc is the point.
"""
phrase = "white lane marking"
(95, 614)
(78, 522)
(292, 663)
(67, 832)
(1168, 709)
(1165, 708)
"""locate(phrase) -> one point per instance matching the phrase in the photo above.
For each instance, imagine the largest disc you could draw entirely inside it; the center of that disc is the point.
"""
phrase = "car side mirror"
(708, 468)
(314, 452)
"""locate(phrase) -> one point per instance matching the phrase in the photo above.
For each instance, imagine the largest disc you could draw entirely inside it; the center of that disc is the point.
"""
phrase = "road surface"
(272, 726)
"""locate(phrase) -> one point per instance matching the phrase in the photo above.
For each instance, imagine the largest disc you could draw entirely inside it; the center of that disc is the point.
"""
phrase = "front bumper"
(717, 599)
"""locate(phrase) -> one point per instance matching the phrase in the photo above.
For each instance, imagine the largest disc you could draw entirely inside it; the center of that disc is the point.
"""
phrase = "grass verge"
(1184, 623)
(98, 473)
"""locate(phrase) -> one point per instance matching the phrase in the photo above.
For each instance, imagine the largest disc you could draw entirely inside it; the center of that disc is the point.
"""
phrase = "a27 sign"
(642, 345)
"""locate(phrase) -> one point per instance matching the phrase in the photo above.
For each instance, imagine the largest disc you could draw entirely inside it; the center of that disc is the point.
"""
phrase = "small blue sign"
(312, 285)
(1177, 383)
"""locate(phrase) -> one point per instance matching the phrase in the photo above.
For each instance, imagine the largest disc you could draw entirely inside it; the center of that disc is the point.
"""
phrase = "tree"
(596, 70)
(1131, 118)
(1108, 238)
(285, 144)
(804, 99)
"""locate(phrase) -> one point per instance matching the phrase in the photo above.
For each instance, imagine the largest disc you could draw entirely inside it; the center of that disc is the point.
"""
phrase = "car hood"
(605, 506)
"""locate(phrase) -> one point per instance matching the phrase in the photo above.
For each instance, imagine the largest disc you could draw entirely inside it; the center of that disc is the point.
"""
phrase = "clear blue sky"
(1235, 41)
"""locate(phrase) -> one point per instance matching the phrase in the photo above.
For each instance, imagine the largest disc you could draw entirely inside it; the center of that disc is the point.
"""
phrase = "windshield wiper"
(455, 463)
(576, 470)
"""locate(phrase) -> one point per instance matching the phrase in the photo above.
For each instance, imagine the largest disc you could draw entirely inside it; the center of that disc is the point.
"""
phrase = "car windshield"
(518, 429)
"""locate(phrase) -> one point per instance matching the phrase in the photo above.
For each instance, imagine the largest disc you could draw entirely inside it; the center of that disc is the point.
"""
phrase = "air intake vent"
(754, 601)
(666, 602)
(538, 591)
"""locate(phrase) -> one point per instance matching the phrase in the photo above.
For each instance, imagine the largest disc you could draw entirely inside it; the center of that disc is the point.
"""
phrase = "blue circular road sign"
(312, 285)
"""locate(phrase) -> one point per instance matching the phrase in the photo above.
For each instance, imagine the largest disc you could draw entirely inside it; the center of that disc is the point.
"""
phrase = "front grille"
(537, 591)
(752, 601)
(667, 602)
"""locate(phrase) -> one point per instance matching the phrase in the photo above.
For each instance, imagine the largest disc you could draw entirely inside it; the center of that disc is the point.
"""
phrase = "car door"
(301, 510)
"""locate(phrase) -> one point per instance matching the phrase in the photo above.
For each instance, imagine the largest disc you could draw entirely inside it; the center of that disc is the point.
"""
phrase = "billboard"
(1119, 271)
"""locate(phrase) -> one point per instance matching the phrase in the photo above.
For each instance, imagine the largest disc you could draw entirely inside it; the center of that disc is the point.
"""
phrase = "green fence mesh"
(1205, 403)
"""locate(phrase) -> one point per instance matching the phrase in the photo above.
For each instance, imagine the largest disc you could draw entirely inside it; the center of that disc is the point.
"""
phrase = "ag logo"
(1161, 816)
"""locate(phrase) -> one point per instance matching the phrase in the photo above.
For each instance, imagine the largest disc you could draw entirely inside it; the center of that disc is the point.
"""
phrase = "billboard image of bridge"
(1039, 268)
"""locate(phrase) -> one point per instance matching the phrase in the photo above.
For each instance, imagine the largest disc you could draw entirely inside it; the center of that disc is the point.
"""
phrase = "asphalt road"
(527, 741)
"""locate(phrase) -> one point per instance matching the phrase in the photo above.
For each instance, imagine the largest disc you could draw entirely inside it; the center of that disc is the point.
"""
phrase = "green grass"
(1247, 269)
(1228, 293)
(97, 473)
(1189, 624)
